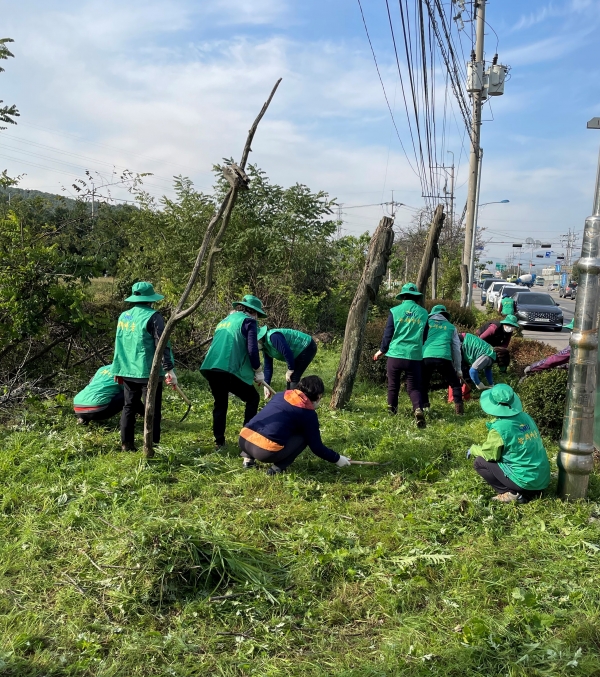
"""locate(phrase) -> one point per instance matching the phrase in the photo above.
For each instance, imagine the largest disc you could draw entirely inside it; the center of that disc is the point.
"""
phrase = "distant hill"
(24, 193)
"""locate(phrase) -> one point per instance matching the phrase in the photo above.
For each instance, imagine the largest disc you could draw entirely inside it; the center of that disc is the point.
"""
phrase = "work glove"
(480, 386)
(259, 375)
(288, 375)
(527, 371)
(469, 452)
(377, 355)
(171, 378)
(342, 462)
(267, 393)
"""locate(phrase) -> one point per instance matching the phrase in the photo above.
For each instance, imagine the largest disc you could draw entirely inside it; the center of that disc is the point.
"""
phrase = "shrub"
(524, 352)
(543, 396)
(375, 372)
(463, 318)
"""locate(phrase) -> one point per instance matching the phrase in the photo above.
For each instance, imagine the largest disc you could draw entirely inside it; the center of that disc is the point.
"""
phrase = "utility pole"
(576, 456)
(477, 90)
(474, 237)
(339, 227)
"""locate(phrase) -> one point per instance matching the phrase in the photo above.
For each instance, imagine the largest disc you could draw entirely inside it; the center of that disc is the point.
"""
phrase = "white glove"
(259, 375)
(171, 378)
(527, 370)
(342, 462)
(460, 376)
(377, 355)
(267, 393)
(480, 386)
(288, 375)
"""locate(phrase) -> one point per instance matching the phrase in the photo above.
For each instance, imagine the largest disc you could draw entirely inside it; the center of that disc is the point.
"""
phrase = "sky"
(171, 87)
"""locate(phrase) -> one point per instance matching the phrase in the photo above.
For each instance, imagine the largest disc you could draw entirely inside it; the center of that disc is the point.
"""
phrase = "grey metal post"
(575, 458)
(474, 237)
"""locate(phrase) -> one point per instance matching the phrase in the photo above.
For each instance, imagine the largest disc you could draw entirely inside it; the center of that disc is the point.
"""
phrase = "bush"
(524, 352)
(463, 318)
(543, 396)
(375, 372)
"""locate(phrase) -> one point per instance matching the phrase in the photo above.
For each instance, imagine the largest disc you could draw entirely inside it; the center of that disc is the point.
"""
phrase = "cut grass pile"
(186, 565)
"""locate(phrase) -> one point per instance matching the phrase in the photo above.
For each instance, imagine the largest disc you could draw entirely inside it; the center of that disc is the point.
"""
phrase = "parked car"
(538, 309)
(540, 282)
(494, 290)
(485, 285)
(508, 290)
(553, 286)
(568, 292)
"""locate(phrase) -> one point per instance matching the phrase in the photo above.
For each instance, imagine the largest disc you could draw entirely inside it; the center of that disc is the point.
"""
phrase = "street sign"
(500, 266)
(548, 254)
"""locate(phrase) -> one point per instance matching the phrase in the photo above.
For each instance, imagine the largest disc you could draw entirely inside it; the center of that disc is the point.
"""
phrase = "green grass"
(110, 565)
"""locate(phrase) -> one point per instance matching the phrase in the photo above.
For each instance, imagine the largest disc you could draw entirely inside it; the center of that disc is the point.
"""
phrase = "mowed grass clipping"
(186, 565)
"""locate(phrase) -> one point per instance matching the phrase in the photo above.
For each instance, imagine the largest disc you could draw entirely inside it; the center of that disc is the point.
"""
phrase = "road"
(553, 338)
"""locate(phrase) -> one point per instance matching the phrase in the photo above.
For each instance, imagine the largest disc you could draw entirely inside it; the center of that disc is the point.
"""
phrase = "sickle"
(186, 399)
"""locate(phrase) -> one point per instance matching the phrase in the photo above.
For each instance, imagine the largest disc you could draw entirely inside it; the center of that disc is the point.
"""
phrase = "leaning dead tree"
(435, 230)
(378, 256)
(209, 249)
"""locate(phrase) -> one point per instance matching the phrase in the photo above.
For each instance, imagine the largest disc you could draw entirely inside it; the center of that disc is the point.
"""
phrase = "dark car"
(569, 291)
(509, 292)
(538, 309)
(485, 285)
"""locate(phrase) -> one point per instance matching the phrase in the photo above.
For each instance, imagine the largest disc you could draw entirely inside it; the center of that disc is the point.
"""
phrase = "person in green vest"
(507, 305)
(138, 331)
(478, 355)
(441, 354)
(402, 343)
(512, 459)
(232, 363)
(101, 399)
(293, 347)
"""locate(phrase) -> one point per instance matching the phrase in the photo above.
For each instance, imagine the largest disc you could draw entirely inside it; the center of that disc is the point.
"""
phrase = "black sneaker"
(392, 411)
(420, 418)
(220, 445)
(274, 470)
(249, 463)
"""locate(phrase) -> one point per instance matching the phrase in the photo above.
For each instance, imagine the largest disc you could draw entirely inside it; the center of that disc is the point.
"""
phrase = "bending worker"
(478, 355)
(512, 459)
(232, 363)
(441, 354)
(293, 347)
(138, 332)
(402, 343)
(284, 427)
(498, 332)
(101, 399)
(559, 360)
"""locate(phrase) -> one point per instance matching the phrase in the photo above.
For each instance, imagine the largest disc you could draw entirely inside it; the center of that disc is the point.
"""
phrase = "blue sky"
(171, 87)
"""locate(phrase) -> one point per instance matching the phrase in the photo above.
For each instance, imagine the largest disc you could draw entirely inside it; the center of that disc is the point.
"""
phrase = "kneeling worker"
(285, 426)
(293, 347)
(478, 355)
(513, 459)
(101, 399)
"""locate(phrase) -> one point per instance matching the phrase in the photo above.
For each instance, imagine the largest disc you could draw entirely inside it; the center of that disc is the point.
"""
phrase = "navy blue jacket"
(282, 347)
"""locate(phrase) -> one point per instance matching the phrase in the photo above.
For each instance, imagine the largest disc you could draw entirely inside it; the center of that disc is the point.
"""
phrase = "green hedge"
(543, 396)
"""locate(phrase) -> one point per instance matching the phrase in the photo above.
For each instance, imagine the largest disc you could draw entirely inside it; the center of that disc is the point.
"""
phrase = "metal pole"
(575, 458)
(474, 239)
(475, 141)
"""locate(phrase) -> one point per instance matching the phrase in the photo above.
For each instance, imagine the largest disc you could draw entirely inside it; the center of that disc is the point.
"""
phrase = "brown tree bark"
(378, 256)
(437, 223)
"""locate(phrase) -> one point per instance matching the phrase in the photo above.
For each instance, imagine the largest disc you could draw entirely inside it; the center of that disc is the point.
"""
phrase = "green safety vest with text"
(524, 459)
(134, 345)
(229, 350)
(474, 347)
(296, 340)
(439, 339)
(409, 325)
(100, 390)
(508, 306)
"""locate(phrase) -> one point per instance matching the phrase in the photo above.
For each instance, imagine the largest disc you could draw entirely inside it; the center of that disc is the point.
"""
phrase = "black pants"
(221, 384)
(445, 369)
(302, 361)
(135, 394)
(282, 459)
(493, 475)
(111, 409)
(412, 368)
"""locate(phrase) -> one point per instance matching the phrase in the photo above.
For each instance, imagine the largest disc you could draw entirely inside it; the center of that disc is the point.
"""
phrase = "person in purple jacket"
(284, 427)
(559, 360)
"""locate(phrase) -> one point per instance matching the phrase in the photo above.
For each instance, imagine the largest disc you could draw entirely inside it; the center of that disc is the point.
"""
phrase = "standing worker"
(402, 343)
(138, 332)
(293, 347)
(478, 355)
(232, 363)
(441, 354)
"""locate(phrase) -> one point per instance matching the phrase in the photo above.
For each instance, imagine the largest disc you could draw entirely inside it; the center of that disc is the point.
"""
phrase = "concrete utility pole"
(477, 93)
(474, 236)
(575, 458)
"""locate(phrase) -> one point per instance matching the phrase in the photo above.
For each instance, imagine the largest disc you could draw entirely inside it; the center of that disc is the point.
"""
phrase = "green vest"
(508, 306)
(439, 339)
(100, 390)
(229, 350)
(524, 459)
(474, 347)
(409, 325)
(296, 340)
(134, 346)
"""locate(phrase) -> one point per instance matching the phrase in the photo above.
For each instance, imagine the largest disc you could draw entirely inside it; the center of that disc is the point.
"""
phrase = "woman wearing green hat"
(138, 332)
(498, 332)
(441, 354)
(402, 343)
(513, 459)
(559, 360)
(232, 363)
(293, 347)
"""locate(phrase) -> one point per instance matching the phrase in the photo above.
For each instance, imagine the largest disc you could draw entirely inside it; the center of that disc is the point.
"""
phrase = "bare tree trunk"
(380, 250)
(209, 246)
(435, 229)
(464, 285)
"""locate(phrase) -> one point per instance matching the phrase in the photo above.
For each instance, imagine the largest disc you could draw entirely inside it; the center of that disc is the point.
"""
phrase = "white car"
(515, 289)
(494, 291)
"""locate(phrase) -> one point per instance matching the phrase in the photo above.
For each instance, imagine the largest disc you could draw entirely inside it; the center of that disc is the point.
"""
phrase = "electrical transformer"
(474, 76)
(496, 75)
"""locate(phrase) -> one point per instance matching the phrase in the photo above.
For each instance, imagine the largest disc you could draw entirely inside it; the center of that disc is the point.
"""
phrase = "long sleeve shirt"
(282, 347)
(388, 334)
(496, 336)
(249, 332)
(491, 449)
(558, 360)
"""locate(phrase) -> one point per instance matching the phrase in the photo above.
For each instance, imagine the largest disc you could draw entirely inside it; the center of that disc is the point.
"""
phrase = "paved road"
(554, 338)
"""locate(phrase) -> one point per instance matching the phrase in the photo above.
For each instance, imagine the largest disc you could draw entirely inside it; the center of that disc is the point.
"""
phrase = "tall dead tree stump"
(431, 249)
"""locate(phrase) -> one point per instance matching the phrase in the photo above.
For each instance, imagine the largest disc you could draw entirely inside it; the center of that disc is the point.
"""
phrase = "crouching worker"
(101, 399)
(559, 360)
(512, 460)
(285, 426)
(499, 332)
(293, 347)
(478, 355)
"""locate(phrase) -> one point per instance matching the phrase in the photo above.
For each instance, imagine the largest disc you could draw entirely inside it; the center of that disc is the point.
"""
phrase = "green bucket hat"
(409, 289)
(143, 292)
(501, 400)
(510, 319)
(253, 303)
(262, 332)
(439, 310)
(570, 325)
